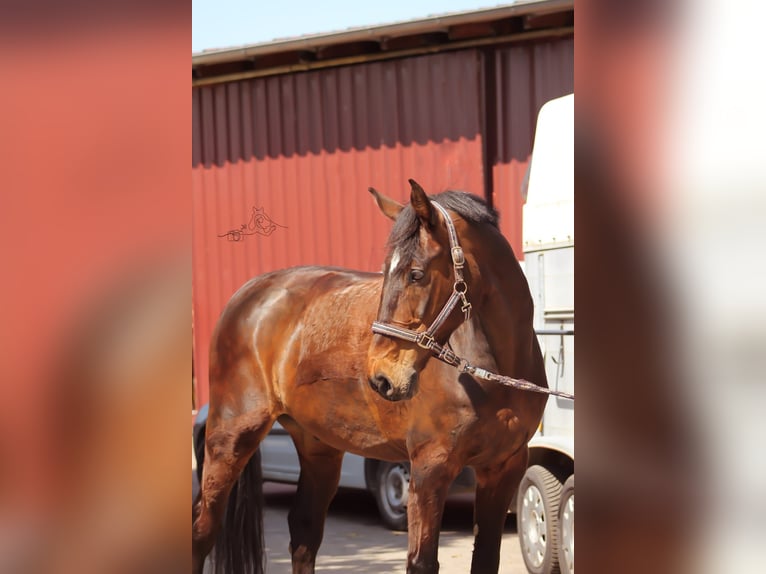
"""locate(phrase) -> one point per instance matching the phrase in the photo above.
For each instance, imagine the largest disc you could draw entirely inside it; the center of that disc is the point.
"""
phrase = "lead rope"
(446, 355)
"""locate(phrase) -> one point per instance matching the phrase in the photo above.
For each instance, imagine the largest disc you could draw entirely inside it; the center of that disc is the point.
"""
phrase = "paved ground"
(356, 541)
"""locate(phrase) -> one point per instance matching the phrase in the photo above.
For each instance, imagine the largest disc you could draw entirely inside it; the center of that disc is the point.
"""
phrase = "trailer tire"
(537, 509)
(566, 527)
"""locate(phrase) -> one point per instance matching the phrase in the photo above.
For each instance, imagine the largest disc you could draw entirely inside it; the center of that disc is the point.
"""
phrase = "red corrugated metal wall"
(526, 76)
(304, 148)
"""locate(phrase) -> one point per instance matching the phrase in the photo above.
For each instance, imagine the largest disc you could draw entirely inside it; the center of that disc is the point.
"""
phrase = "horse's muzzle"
(382, 385)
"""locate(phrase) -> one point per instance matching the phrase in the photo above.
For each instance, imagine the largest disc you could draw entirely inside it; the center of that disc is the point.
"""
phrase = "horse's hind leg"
(320, 473)
(494, 491)
(229, 444)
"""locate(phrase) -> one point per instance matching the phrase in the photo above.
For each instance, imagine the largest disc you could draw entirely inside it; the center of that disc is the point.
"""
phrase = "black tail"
(239, 548)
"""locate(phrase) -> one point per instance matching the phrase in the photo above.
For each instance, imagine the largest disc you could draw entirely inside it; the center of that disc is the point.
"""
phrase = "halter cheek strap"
(425, 339)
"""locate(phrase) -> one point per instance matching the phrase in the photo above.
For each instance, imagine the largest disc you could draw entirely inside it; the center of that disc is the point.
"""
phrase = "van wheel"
(392, 486)
(537, 509)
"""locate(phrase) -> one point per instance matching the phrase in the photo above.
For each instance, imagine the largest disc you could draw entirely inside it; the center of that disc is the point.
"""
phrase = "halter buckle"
(448, 357)
(425, 341)
(458, 258)
(466, 308)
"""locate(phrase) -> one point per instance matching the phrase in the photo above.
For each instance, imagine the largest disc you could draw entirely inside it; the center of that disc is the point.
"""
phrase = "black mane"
(471, 208)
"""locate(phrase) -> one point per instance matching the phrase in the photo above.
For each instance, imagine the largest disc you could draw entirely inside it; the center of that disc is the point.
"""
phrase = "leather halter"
(425, 339)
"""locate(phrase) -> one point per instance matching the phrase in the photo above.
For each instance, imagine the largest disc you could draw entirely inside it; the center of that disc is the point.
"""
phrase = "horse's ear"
(388, 206)
(422, 205)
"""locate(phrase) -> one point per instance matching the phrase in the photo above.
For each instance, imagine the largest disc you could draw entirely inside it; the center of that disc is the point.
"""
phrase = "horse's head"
(425, 284)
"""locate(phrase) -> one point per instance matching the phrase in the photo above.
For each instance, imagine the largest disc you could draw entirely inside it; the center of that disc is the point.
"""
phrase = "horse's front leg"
(495, 487)
(430, 478)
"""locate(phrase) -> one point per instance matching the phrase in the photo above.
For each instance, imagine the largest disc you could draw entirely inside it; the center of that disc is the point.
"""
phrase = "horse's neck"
(505, 316)
(470, 342)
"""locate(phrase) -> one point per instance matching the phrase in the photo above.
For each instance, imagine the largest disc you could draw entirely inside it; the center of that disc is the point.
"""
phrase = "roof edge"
(373, 33)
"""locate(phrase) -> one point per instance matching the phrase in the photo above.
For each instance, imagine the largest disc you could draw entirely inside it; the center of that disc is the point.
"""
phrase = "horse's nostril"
(384, 385)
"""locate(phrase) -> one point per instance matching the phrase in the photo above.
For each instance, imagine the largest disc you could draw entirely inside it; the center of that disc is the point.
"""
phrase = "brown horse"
(296, 345)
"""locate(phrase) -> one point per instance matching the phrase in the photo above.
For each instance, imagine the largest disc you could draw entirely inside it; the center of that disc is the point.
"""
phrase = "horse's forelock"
(404, 234)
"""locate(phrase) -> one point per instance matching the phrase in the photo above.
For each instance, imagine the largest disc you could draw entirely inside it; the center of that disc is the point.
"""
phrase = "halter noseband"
(425, 339)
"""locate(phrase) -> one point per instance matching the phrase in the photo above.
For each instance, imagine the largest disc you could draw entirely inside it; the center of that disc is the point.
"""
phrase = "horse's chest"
(498, 436)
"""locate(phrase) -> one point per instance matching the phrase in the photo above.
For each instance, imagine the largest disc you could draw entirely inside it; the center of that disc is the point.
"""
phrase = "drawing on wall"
(259, 224)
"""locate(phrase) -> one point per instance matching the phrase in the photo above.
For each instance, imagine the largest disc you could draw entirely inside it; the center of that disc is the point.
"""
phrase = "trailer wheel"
(392, 486)
(566, 524)
(537, 512)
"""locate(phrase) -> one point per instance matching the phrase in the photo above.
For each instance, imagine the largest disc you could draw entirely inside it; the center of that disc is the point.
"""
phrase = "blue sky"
(228, 23)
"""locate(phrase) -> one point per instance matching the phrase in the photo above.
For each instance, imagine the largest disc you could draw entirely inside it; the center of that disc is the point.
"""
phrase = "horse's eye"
(415, 275)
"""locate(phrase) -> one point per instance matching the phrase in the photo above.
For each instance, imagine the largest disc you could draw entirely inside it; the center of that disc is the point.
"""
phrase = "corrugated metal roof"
(432, 23)
(515, 23)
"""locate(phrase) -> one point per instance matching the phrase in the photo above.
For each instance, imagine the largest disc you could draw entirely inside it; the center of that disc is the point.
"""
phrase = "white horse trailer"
(545, 501)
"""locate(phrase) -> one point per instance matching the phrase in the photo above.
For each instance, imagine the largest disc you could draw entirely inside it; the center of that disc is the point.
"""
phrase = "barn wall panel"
(302, 149)
(526, 76)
